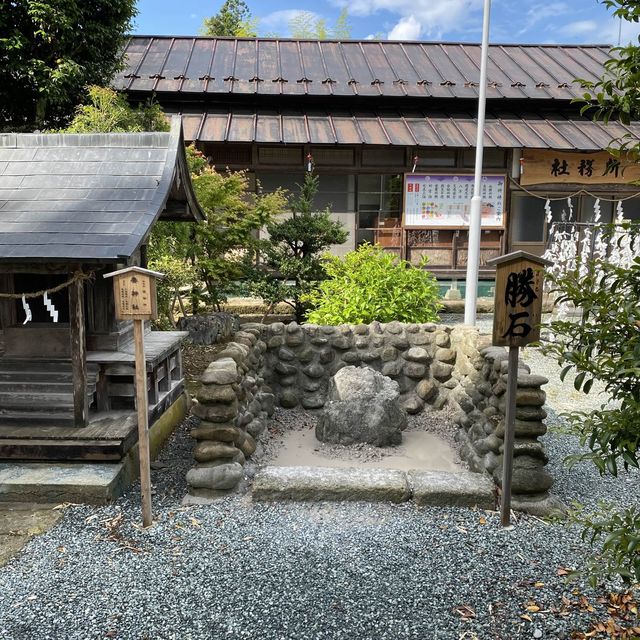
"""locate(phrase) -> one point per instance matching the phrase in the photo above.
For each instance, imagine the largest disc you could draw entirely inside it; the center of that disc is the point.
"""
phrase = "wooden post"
(143, 418)
(135, 299)
(509, 437)
(516, 323)
(78, 353)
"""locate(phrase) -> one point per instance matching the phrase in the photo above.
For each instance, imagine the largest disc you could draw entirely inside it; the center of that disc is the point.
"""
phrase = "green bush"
(605, 347)
(372, 284)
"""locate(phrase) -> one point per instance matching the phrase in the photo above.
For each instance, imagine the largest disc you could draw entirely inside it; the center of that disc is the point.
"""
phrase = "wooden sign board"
(518, 298)
(566, 167)
(134, 291)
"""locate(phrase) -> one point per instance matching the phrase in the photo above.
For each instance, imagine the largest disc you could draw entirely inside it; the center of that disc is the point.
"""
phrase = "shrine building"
(390, 129)
(72, 208)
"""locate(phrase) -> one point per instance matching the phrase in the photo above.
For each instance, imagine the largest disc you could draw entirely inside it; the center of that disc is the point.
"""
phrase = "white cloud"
(407, 29)
(579, 28)
(279, 21)
(540, 12)
(433, 17)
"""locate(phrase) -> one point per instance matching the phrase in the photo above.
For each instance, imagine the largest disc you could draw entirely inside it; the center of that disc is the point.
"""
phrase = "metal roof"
(540, 130)
(267, 66)
(89, 197)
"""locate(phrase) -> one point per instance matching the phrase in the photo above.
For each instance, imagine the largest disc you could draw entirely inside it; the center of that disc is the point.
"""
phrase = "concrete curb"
(433, 488)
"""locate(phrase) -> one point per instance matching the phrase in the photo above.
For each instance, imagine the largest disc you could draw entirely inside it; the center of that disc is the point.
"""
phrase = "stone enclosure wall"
(434, 365)
(428, 361)
(482, 432)
(234, 405)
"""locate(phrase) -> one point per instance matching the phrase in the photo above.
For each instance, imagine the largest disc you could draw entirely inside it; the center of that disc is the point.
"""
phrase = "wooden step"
(68, 450)
(35, 386)
(35, 402)
(35, 376)
(21, 418)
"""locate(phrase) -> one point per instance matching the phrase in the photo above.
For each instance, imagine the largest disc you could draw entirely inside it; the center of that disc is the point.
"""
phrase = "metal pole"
(473, 255)
(509, 424)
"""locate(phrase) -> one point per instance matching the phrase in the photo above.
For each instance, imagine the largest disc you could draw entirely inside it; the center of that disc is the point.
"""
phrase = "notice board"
(444, 200)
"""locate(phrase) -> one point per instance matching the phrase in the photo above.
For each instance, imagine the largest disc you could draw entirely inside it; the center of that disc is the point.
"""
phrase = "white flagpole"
(475, 218)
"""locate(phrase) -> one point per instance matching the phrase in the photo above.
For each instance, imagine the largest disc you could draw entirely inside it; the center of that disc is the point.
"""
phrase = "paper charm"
(53, 312)
(27, 310)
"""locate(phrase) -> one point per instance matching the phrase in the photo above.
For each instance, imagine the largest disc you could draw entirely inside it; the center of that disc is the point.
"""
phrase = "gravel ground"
(305, 571)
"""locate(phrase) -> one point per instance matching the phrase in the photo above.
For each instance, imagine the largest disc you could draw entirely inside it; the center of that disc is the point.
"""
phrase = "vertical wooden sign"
(516, 322)
(134, 290)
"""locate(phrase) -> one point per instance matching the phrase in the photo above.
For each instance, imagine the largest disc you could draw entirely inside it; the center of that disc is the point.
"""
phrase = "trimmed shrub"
(372, 284)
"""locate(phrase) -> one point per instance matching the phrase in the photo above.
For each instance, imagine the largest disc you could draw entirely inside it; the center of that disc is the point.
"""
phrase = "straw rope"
(571, 195)
(78, 275)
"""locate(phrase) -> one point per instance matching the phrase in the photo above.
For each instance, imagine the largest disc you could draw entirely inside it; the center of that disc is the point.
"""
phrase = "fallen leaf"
(465, 611)
(563, 572)
(538, 584)
(482, 521)
(524, 616)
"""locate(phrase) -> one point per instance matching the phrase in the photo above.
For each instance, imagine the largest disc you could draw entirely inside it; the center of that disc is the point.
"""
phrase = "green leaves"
(373, 284)
(604, 346)
(51, 51)
(292, 253)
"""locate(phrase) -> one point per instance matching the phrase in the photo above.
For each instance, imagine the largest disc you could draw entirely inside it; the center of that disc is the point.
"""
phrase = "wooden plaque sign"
(540, 166)
(134, 291)
(518, 299)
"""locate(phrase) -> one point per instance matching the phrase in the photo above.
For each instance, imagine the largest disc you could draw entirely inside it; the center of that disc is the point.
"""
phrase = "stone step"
(428, 488)
(47, 482)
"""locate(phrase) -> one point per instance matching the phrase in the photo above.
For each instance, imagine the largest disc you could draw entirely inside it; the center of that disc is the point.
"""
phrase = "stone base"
(324, 483)
(440, 489)
(541, 506)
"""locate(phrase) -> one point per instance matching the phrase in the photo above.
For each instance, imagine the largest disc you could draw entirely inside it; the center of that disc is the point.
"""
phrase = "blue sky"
(548, 21)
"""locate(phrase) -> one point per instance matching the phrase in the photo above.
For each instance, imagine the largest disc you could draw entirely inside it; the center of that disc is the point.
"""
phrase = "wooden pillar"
(78, 353)
(143, 419)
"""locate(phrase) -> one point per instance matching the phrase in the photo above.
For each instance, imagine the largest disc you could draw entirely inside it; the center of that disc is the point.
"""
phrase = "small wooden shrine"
(72, 208)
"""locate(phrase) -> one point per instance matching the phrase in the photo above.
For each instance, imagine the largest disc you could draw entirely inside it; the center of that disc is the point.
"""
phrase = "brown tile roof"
(265, 66)
(537, 130)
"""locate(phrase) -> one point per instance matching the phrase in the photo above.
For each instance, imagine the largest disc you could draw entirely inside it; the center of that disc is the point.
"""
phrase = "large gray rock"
(362, 406)
(209, 328)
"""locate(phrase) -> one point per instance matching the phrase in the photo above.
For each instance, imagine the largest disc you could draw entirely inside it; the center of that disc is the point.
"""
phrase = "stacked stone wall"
(234, 405)
(482, 433)
(434, 365)
(428, 361)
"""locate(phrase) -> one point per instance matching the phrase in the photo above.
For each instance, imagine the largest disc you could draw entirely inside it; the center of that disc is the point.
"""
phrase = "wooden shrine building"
(73, 207)
(390, 128)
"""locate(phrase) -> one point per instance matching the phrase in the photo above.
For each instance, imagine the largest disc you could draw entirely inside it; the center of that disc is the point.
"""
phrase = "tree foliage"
(616, 96)
(373, 284)
(108, 111)
(222, 250)
(234, 19)
(306, 25)
(292, 254)
(51, 51)
(226, 246)
(605, 347)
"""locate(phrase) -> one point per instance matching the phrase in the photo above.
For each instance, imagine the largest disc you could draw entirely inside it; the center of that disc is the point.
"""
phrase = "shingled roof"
(268, 66)
(89, 197)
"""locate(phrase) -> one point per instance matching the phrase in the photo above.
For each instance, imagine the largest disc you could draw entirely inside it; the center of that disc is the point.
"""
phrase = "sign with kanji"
(134, 290)
(444, 201)
(518, 298)
(564, 167)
